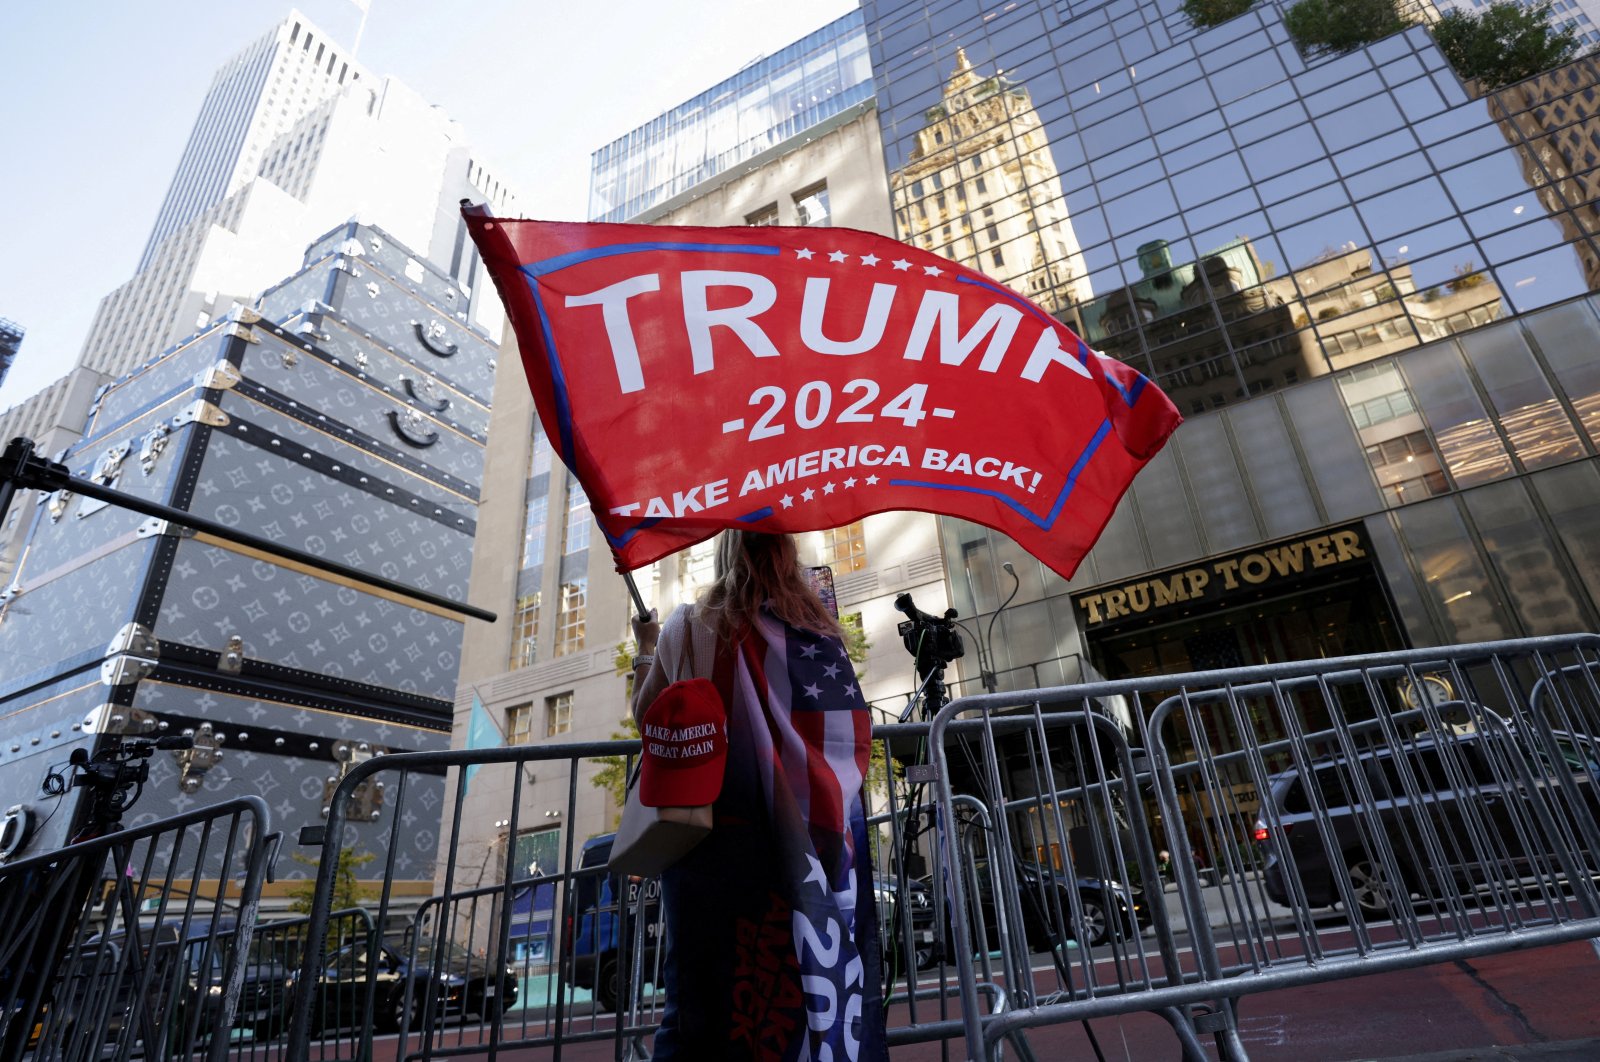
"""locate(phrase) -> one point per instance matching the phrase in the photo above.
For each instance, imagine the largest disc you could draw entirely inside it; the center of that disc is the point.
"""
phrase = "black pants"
(731, 980)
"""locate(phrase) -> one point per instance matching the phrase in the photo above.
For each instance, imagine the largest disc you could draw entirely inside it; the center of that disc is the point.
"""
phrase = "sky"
(97, 99)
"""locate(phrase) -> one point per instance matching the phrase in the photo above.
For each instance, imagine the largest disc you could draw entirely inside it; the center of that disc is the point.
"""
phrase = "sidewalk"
(1569, 1051)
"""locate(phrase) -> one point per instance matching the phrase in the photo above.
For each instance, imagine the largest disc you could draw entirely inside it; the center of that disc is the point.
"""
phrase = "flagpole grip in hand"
(638, 599)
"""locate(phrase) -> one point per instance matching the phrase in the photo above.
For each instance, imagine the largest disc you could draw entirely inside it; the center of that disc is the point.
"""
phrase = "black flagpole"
(21, 467)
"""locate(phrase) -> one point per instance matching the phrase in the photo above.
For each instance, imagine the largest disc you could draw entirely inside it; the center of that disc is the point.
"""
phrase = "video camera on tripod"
(114, 775)
(932, 640)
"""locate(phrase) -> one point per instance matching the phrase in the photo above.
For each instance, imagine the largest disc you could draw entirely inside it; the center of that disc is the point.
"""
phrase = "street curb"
(1566, 1051)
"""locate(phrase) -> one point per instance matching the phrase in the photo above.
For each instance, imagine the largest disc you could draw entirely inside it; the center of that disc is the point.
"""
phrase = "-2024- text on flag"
(791, 379)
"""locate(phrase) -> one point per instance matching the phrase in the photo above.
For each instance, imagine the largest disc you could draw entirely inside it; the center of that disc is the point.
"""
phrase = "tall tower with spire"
(982, 189)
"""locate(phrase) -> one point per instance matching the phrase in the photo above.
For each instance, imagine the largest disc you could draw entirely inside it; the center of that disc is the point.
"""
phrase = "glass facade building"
(759, 109)
(1365, 282)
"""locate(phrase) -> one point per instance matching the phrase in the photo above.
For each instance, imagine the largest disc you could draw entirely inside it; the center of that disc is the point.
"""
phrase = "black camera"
(932, 640)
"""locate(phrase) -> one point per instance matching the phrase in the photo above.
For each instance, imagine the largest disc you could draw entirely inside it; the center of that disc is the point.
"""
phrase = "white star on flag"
(851, 482)
(813, 692)
(787, 501)
(901, 264)
(827, 488)
(871, 480)
(869, 259)
(933, 271)
(808, 494)
(836, 256)
(804, 252)
(832, 671)
(817, 874)
(809, 651)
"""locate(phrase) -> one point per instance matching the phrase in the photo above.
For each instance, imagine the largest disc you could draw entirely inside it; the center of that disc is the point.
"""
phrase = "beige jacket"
(683, 638)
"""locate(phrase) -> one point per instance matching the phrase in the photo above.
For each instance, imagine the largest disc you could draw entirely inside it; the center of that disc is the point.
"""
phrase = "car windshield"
(453, 953)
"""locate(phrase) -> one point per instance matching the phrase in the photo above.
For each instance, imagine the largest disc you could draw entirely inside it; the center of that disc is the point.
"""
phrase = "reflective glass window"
(1526, 559)
(1568, 337)
(1470, 446)
(1272, 464)
(1212, 470)
(1571, 497)
(1168, 525)
(1454, 578)
(1532, 420)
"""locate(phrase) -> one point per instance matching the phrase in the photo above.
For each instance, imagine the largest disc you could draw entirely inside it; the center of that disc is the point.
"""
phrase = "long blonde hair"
(755, 568)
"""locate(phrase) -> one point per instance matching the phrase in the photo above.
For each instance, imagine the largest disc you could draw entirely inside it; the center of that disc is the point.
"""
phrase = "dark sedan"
(1106, 908)
(455, 982)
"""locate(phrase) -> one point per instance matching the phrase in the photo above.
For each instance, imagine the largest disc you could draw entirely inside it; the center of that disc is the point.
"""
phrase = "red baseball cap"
(685, 732)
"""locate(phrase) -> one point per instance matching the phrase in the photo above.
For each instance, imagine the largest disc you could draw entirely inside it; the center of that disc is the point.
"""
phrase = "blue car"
(599, 935)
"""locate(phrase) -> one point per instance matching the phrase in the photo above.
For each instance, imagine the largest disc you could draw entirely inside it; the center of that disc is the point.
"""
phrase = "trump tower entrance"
(1318, 595)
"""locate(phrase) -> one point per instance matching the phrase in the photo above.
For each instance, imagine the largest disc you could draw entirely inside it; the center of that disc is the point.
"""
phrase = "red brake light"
(1260, 834)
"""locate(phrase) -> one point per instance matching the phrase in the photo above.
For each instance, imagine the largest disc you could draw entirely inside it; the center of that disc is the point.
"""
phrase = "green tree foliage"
(348, 891)
(1504, 43)
(1341, 25)
(613, 773)
(1207, 13)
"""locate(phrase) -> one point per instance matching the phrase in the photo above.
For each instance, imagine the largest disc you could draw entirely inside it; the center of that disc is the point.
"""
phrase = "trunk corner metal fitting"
(223, 376)
(132, 655)
(194, 762)
(157, 526)
(347, 264)
(15, 830)
(124, 722)
(151, 443)
(311, 330)
(56, 502)
(351, 248)
(365, 803)
(231, 660)
(201, 412)
(99, 396)
(107, 470)
(239, 331)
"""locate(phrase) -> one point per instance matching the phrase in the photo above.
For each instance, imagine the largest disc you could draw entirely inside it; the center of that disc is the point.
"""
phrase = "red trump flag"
(792, 379)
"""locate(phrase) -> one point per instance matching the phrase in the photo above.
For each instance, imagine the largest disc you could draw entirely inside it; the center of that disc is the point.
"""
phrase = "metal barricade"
(273, 990)
(1317, 820)
(135, 942)
(569, 952)
(499, 957)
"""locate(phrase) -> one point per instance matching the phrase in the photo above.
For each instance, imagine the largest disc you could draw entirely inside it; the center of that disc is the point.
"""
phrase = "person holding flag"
(772, 949)
(790, 380)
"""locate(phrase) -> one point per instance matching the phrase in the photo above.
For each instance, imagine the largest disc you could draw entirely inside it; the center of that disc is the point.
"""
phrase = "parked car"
(181, 969)
(597, 939)
(1109, 908)
(461, 985)
(919, 900)
(1466, 796)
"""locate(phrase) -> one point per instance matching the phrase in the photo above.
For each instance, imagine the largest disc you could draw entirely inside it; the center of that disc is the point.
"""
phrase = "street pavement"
(1530, 1006)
